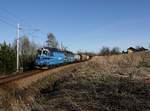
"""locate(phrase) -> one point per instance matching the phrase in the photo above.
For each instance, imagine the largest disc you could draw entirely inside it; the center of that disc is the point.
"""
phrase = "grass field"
(105, 83)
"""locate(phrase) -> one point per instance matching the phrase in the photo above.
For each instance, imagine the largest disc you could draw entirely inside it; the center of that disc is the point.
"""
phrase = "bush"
(107, 51)
(104, 51)
(7, 59)
(145, 62)
(115, 50)
(27, 62)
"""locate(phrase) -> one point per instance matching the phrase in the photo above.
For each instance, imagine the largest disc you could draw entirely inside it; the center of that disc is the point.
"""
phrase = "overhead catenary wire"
(8, 23)
(10, 14)
(8, 19)
(21, 21)
(26, 29)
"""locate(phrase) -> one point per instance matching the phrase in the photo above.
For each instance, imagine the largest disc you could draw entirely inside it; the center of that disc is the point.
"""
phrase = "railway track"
(17, 77)
(10, 78)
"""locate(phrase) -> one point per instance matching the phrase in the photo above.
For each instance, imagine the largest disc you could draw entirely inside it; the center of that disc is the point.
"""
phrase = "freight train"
(50, 57)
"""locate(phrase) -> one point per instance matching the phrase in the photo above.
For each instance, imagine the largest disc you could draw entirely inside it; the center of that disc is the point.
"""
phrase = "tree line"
(27, 53)
(7, 58)
(106, 51)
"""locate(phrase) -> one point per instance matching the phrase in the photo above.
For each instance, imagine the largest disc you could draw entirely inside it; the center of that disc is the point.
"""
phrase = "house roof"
(138, 49)
(131, 48)
(142, 49)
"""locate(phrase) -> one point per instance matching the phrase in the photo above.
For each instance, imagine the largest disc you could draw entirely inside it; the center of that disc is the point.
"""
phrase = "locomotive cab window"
(45, 52)
(39, 52)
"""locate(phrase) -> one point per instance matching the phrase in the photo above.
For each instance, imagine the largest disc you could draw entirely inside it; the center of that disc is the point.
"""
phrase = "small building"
(142, 49)
(131, 50)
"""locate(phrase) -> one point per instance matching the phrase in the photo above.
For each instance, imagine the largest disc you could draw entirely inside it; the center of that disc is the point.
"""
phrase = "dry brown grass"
(106, 83)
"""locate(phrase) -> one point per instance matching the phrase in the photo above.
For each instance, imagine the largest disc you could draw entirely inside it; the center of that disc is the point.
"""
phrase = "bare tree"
(63, 48)
(26, 46)
(51, 41)
(104, 51)
(115, 50)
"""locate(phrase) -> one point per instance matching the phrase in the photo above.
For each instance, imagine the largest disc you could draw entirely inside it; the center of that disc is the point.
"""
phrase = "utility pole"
(18, 28)
(61, 46)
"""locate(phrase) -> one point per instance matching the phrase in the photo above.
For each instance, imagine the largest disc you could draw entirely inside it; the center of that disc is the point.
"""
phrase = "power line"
(5, 19)
(10, 14)
(25, 27)
(20, 19)
(10, 24)
(8, 19)
(13, 16)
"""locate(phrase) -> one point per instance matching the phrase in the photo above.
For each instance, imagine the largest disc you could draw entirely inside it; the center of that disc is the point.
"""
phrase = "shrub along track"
(26, 78)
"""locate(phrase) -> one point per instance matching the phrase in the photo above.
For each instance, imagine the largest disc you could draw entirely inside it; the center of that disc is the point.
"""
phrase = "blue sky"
(79, 24)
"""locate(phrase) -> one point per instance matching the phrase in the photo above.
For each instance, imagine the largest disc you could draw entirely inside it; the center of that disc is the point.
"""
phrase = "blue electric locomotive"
(69, 57)
(47, 57)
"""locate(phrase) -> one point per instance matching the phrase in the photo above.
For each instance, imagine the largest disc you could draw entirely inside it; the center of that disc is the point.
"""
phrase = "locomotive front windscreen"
(43, 52)
(39, 52)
